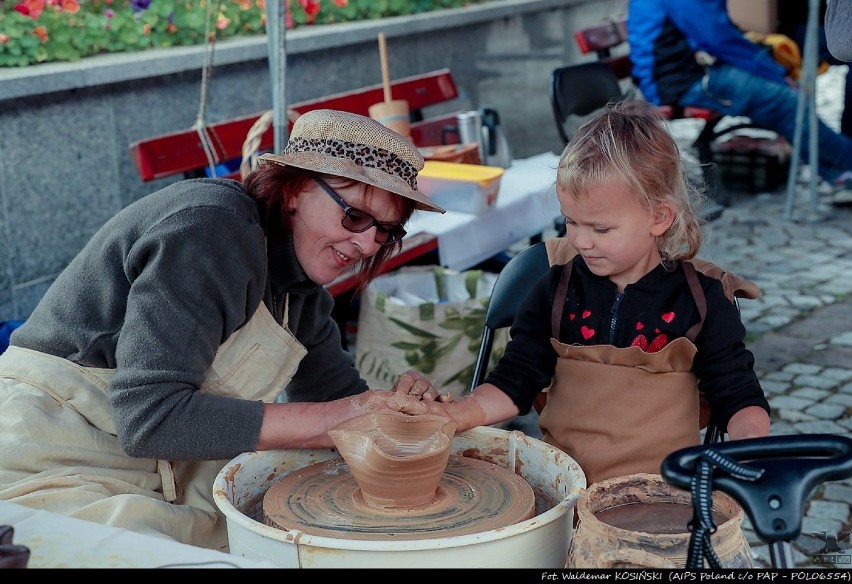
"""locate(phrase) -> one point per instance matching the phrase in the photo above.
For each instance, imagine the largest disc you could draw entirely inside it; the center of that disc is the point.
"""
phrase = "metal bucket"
(540, 542)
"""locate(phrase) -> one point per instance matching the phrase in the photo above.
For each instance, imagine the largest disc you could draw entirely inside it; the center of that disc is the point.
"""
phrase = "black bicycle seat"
(793, 466)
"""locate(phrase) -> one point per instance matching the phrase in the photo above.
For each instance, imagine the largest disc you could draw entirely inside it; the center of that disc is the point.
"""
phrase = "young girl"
(626, 333)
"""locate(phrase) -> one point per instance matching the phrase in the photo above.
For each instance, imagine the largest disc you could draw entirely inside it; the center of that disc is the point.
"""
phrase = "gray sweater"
(838, 29)
(154, 294)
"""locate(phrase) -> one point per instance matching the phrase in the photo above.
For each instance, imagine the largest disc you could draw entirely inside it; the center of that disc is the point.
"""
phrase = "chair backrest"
(509, 291)
(578, 91)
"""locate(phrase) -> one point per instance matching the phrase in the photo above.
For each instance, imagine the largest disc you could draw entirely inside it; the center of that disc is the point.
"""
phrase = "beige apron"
(620, 411)
(60, 453)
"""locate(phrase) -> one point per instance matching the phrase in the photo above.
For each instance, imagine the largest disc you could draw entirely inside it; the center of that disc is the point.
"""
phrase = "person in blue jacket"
(689, 52)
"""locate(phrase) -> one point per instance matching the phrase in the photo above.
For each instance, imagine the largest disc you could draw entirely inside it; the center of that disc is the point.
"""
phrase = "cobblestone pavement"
(800, 331)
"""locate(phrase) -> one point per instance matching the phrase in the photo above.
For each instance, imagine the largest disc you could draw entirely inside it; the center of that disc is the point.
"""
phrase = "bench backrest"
(182, 152)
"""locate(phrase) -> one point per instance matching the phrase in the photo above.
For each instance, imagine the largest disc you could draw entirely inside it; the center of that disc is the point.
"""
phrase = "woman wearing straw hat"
(169, 344)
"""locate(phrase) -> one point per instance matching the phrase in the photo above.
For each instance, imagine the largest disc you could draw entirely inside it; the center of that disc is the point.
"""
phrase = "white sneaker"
(842, 196)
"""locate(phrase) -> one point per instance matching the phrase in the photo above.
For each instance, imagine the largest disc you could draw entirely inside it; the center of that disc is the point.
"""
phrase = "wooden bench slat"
(419, 91)
(182, 152)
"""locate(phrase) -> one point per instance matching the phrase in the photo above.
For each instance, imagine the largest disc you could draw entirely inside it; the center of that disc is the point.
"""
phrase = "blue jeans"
(770, 105)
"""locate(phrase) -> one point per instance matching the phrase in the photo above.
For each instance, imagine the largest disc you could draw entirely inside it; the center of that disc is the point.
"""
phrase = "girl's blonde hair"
(629, 140)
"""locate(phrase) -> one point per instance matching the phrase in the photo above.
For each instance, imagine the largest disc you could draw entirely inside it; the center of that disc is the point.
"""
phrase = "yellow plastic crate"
(469, 188)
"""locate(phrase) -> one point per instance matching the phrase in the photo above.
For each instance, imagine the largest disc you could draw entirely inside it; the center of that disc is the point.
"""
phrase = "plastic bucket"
(539, 542)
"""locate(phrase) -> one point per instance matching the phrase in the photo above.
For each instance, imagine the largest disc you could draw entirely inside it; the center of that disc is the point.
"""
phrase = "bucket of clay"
(540, 542)
(640, 521)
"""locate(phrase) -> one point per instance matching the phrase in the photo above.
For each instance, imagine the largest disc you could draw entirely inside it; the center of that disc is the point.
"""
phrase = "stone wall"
(65, 128)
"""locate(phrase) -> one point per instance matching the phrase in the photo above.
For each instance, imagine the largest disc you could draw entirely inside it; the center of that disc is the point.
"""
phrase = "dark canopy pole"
(277, 42)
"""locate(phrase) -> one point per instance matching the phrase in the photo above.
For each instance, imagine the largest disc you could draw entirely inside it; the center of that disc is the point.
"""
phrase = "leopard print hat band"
(357, 147)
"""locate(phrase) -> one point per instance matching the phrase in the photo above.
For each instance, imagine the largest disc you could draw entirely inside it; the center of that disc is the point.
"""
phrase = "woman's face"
(324, 247)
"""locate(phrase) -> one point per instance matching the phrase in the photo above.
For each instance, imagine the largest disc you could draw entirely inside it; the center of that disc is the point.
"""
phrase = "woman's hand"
(415, 384)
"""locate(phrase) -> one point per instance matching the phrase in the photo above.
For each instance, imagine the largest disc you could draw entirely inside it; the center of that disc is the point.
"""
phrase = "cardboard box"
(756, 15)
(455, 186)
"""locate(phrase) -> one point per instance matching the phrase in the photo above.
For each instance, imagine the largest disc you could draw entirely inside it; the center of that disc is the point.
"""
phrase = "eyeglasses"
(358, 221)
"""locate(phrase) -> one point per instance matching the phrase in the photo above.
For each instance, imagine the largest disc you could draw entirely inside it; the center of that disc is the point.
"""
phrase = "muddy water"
(659, 517)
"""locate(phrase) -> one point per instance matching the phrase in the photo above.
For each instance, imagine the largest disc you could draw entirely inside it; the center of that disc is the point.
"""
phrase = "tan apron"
(59, 451)
(620, 411)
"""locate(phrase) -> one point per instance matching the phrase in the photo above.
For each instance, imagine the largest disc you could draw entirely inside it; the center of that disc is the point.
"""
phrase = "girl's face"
(324, 247)
(614, 233)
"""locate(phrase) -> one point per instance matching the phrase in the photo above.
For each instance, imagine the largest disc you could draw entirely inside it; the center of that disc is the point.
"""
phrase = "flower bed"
(43, 31)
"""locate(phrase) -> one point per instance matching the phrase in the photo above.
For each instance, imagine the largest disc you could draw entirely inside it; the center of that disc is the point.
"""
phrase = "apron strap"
(167, 475)
(559, 301)
(698, 296)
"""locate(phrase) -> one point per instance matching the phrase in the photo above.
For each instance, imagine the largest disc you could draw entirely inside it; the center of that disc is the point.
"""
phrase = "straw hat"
(356, 147)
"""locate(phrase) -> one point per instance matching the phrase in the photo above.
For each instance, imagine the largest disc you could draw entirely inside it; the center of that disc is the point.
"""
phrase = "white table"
(526, 206)
(57, 541)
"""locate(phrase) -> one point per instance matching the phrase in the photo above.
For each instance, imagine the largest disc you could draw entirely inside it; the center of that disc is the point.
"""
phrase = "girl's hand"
(379, 400)
(415, 384)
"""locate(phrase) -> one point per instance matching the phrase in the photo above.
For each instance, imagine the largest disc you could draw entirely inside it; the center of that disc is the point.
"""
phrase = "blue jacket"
(665, 34)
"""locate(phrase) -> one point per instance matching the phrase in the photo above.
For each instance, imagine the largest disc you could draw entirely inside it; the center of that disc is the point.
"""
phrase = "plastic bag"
(425, 318)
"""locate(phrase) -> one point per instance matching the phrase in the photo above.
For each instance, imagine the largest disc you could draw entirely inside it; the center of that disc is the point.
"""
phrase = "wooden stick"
(383, 55)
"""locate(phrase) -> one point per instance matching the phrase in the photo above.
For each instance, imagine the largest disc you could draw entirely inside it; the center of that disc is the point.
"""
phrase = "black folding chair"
(578, 91)
(509, 291)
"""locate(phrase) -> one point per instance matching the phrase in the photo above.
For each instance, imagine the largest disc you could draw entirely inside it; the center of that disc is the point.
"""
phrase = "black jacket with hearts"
(651, 313)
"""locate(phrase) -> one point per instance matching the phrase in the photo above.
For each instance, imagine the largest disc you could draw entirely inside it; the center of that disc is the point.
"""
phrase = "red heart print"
(587, 313)
(640, 342)
(669, 316)
(657, 344)
(572, 316)
(587, 332)
(639, 326)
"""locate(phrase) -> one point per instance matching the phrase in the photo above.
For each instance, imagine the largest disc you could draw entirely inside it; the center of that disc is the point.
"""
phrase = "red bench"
(183, 153)
(602, 39)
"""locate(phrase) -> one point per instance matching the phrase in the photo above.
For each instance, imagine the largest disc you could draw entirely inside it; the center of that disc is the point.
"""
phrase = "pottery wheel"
(473, 496)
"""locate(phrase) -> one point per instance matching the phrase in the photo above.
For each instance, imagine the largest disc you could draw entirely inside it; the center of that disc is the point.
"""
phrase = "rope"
(701, 525)
(206, 74)
(251, 146)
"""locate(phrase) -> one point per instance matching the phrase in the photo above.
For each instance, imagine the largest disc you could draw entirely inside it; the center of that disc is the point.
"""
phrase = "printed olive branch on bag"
(424, 352)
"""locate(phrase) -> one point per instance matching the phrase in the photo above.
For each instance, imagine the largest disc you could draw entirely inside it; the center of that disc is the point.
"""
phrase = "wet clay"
(472, 496)
(397, 460)
(659, 517)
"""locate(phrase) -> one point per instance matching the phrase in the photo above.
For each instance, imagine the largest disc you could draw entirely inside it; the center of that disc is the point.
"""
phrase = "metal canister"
(470, 130)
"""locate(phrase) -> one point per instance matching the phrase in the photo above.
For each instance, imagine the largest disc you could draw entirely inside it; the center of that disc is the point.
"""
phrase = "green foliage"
(69, 30)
